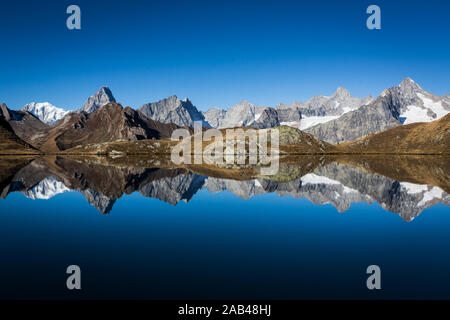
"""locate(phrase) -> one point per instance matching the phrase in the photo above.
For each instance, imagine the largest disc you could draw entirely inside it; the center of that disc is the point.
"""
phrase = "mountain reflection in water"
(405, 185)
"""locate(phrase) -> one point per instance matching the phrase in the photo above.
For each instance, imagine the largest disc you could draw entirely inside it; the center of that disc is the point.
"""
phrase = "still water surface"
(171, 233)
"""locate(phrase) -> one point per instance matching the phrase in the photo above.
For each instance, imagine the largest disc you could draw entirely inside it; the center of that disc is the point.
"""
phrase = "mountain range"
(334, 119)
(403, 104)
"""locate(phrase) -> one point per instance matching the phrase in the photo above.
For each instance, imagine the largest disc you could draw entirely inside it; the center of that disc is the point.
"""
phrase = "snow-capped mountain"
(340, 117)
(46, 112)
(46, 189)
(416, 104)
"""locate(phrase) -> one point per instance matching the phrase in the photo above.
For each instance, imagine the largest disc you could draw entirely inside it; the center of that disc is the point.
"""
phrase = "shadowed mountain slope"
(10, 143)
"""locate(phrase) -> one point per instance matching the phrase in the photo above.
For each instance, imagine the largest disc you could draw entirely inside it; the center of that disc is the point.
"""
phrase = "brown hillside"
(416, 138)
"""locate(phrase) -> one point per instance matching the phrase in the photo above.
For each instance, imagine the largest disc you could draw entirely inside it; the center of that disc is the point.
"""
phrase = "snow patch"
(434, 193)
(414, 113)
(308, 122)
(412, 188)
(312, 178)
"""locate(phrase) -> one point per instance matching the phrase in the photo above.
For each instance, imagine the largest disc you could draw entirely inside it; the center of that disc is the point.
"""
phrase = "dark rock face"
(173, 110)
(289, 113)
(268, 119)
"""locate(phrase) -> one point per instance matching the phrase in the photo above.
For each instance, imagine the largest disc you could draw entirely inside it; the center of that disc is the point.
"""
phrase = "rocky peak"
(98, 100)
(408, 84)
(401, 97)
(406, 91)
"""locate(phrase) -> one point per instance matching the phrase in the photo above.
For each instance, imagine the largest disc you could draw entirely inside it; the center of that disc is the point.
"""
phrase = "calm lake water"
(162, 233)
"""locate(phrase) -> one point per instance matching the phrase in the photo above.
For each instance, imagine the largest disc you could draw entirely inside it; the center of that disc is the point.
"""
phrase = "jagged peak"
(99, 99)
(103, 91)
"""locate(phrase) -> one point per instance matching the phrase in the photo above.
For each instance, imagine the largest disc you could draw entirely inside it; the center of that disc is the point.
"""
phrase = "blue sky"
(218, 52)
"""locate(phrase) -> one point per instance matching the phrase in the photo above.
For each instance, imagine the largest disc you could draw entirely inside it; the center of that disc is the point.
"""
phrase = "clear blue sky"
(218, 52)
